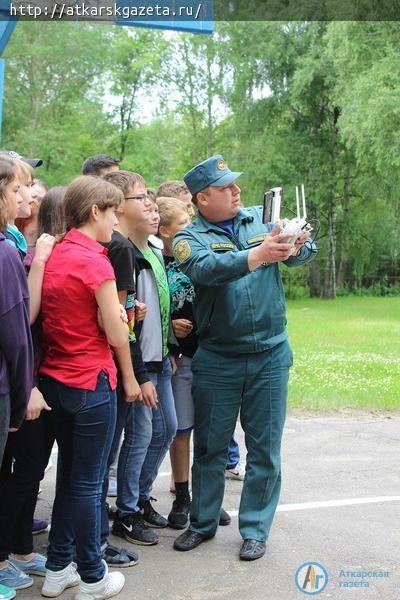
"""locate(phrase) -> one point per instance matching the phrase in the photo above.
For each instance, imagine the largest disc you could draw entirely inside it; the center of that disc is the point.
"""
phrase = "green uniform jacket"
(236, 311)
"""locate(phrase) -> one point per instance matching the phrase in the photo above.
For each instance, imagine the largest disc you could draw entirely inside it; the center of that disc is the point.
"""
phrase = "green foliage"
(135, 58)
(150, 151)
(50, 109)
(285, 102)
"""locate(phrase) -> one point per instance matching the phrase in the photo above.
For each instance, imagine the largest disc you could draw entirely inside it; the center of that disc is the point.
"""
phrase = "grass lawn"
(346, 353)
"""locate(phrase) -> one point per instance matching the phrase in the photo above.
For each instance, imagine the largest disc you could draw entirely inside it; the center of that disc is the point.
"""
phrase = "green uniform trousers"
(256, 385)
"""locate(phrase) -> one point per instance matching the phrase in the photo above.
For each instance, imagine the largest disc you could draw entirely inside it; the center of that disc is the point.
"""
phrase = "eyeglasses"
(140, 198)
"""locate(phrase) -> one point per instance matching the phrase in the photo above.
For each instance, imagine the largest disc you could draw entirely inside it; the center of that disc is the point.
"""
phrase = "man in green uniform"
(242, 363)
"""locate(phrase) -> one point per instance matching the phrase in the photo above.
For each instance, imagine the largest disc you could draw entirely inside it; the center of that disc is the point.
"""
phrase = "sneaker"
(35, 566)
(7, 593)
(39, 526)
(178, 518)
(58, 581)
(237, 472)
(12, 577)
(133, 529)
(224, 518)
(112, 487)
(151, 516)
(110, 585)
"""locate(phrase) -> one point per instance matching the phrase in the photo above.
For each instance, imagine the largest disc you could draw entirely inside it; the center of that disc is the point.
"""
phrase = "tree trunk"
(314, 280)
(344, 252)
(342, 270)
(329, 290)
(210, 98)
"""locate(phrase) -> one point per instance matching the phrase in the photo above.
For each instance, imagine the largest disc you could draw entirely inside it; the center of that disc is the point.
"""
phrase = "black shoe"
(133, 529)
(178, 518)
(111, 512)
(190, 539)
(119, 557)
(151, 516)
(224, 518)
(252, 549)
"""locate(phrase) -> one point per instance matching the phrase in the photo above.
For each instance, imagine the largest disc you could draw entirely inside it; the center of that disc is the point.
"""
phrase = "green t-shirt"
(163, 293)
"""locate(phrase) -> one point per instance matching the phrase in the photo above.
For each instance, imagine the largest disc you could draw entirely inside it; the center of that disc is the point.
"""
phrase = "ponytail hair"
(85, 192)
(51, 218)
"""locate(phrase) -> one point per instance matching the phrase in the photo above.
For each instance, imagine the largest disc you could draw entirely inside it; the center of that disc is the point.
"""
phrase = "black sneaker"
(224, 518)
(178, 518)
(111, 511)
(133, 529)
(151, 516)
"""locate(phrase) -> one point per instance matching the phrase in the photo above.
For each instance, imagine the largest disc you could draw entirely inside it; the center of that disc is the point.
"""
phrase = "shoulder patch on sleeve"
(182, 250)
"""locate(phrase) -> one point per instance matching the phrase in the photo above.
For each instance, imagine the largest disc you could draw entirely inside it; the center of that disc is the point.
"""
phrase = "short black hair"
(93, 165)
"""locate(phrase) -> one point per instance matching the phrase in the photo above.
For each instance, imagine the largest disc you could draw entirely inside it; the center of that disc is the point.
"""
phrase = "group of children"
(96, 341)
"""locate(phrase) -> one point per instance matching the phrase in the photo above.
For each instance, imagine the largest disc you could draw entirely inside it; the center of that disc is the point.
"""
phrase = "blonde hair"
(8, 172)
(172, 189)
(169, 208)
(85, 192)
(26, 173)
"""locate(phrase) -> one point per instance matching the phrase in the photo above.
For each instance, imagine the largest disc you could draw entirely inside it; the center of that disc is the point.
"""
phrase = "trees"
(366, 61)
(319, 103)
(194, 74)
(286, 102)
(53, 96)
(135, 59)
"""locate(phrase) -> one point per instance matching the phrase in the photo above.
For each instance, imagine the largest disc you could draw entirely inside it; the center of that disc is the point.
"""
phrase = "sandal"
(119, 557)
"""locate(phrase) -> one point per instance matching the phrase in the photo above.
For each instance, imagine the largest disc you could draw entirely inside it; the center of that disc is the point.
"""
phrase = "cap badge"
(221, 165)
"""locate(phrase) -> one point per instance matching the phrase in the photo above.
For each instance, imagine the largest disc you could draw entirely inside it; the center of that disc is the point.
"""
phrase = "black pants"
(25, 458)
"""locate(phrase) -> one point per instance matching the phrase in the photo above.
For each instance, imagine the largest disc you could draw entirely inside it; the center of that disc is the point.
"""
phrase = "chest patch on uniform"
(182, 250)
(257, 239)
(224, 245)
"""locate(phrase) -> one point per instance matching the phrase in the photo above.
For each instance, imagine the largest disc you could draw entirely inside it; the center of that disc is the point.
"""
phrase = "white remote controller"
(295, 226)
(272, 209)
(298, 225)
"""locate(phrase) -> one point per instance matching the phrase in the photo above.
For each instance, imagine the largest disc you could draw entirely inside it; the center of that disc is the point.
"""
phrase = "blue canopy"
(195, 16)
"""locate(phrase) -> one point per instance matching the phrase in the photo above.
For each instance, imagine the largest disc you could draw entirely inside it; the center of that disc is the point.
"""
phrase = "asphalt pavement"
(339, 510)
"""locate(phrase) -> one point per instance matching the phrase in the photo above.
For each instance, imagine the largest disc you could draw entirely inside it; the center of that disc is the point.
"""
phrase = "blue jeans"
(84, 423)
(124, 413)
(148, 436)
(233, 454)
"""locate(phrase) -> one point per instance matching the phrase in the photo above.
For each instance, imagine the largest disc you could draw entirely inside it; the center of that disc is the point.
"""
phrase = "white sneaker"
(237, 472)
(110, 585)
(58, 581)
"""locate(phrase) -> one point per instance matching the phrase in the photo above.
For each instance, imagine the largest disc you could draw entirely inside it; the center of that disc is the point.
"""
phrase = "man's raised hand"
(274, 248)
